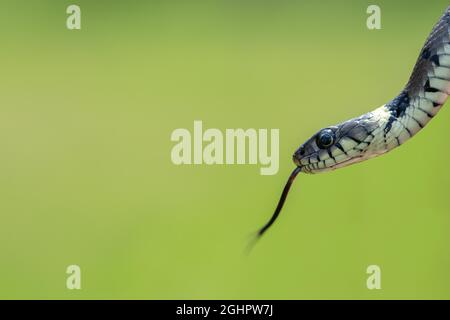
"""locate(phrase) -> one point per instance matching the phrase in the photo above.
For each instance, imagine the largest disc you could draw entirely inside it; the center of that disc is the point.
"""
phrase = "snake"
(386, 127)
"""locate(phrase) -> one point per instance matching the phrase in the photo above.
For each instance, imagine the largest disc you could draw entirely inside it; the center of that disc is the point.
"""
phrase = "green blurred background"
(85, 170)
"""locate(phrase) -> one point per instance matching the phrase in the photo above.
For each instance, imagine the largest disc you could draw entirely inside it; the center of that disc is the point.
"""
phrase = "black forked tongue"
(279, 206)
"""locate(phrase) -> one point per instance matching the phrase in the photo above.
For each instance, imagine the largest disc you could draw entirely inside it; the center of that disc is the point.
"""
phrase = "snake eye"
(325, 139)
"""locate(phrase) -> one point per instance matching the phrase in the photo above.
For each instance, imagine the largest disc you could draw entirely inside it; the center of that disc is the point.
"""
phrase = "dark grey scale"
(425, 53)
(435, 60)
(397, 107)
(367, 129)
(358, 128)
(389, 124)
(427, 87)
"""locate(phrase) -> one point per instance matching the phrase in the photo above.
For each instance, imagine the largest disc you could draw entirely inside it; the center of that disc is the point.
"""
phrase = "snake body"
(388, 126)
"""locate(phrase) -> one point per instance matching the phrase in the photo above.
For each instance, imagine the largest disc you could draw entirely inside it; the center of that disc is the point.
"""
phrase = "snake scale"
(386, 127)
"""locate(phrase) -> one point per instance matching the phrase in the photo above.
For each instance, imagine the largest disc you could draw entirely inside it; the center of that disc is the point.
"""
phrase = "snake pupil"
(325, 139)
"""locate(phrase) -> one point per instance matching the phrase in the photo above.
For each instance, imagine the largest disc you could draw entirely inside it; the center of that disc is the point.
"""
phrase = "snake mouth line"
(356, 159)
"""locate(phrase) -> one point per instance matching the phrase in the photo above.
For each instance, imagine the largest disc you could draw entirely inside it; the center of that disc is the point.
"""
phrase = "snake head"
(338, 146)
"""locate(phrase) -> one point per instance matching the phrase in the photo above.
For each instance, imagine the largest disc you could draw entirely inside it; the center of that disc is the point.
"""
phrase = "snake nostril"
(301, 151)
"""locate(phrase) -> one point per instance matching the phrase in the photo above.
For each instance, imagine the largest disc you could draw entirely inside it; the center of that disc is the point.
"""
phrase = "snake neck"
(425, 93)
(404, 117)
